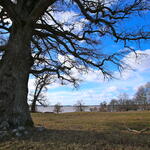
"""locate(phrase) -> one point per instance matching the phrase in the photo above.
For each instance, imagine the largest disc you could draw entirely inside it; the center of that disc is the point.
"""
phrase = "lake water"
(65, 109)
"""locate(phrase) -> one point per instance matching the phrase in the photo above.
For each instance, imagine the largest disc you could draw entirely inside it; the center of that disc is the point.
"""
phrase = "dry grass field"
(85, 131)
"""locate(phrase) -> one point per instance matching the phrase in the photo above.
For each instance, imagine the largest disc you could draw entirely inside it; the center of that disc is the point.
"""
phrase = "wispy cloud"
(69, 20)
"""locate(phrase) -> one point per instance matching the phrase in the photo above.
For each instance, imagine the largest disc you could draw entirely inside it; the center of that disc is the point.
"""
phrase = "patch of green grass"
(85, 131)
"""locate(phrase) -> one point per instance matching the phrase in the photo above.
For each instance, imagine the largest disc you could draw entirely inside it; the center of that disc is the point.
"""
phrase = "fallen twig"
(138, 131)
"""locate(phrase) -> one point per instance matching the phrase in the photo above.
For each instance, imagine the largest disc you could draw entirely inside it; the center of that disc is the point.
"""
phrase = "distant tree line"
(140, 101)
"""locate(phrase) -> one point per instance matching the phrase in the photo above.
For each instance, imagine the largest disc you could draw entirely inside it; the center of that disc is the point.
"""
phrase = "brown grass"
(85, 131)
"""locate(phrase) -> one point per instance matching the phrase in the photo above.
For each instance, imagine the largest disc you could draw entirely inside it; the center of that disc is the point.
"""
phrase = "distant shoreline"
(66, 108)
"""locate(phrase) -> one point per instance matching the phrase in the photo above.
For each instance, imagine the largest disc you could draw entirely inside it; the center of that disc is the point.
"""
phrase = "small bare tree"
(58, 108)
(93, 109)
(79, 106)
(142, 96)
(38, 96)
(103, 107)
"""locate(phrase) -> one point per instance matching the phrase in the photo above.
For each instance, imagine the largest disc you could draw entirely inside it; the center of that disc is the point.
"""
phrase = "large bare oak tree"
(33, 39)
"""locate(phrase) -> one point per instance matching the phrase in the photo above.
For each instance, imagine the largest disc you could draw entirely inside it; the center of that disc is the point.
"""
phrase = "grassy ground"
(85, 131)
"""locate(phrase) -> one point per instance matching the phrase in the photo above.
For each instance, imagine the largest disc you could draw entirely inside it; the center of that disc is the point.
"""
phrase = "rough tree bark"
(14, 75)
(33, 106)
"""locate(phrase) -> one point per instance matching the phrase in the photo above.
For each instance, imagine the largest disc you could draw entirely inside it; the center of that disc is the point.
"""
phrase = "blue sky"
(94, 89)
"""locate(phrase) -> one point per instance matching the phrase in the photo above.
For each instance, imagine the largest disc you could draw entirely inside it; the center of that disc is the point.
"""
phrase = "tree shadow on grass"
(78, 140)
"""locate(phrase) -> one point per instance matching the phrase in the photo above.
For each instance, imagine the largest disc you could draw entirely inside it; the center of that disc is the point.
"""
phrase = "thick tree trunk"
(14, 75)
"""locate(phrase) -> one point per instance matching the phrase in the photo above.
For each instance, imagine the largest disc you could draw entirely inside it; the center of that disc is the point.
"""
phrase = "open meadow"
(85, 131)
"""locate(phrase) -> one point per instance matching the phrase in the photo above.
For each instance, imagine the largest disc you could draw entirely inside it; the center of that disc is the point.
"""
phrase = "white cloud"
(93, 76)
(137, 64)
(90, 76)
(141, 63)
(89, 96)
(112, 89)
(31, 84)
(54, 85)
(65, 16)
(71, 97)
(69, 20)
(66, 60)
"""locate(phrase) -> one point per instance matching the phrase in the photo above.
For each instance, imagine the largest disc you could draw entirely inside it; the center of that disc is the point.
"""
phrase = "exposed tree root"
(138, 131)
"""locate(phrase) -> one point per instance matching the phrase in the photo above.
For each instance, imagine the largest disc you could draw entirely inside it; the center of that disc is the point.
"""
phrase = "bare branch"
(9, 7)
